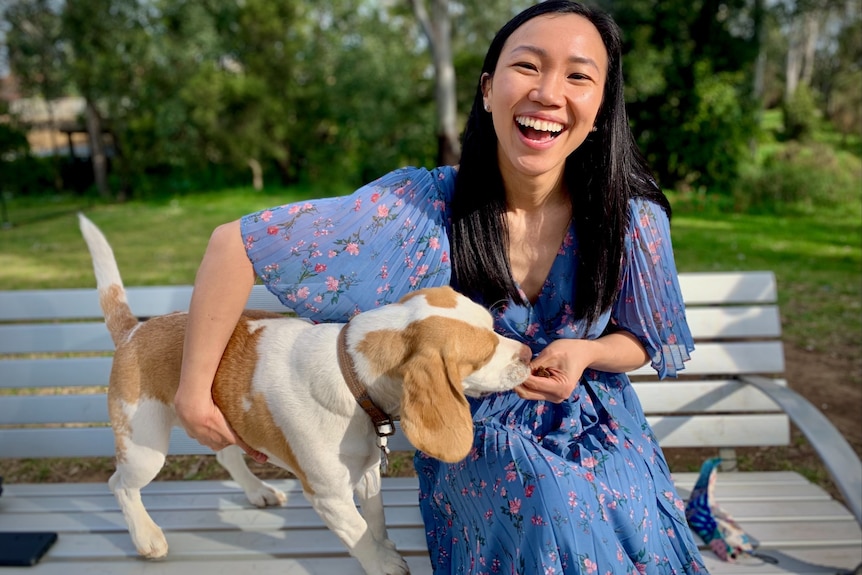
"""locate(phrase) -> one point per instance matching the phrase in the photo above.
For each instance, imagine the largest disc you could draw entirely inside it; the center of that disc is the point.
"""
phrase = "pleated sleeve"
(650, 305)
(332, 258)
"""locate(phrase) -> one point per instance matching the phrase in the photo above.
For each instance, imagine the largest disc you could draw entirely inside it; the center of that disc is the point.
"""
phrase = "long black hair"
(601, 175)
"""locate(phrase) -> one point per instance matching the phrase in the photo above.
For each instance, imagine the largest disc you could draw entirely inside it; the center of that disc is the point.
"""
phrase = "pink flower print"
(619, 554)
(528, 490)
(511, 476)
(589, 476)
(445, 258)
(434, 243)
(332, 253)
(331, 284)
(641, 567)
(590, 565)
(503, 492)
(384, 272)
(679, 504)
(318, 298)
(382, 210)
(319, 268)
(357, 205)
(671, 339)
(352, 248)
(589, 462)
(399, 191)
(266, 215)
(532, 329)
(422, 270)
(515, 506)
(302, 292)
(489, 514)
(374, 197)
(537, 520)
(271, 230)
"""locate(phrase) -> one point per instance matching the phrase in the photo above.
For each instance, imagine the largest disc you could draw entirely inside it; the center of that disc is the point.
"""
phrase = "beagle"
(286, 387)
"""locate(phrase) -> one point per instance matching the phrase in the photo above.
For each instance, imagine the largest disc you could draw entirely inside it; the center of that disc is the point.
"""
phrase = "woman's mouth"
(538, 130)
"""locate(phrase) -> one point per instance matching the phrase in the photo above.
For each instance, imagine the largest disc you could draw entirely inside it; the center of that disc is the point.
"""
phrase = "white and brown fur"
(280, 387)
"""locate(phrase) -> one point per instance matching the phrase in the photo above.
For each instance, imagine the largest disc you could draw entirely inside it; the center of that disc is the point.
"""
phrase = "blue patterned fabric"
(579, 487)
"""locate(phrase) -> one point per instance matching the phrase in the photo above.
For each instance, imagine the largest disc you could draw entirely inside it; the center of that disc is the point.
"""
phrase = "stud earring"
(595, 129)
(487, 107)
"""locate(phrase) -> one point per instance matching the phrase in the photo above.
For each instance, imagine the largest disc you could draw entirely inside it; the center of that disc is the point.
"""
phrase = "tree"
(437, 28)
(38, 55)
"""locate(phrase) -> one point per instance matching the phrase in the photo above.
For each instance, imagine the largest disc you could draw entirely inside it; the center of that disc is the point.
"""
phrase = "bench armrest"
(840, 460)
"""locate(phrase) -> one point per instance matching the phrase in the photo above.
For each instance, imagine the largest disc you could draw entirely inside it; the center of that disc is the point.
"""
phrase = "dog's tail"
(112, 295)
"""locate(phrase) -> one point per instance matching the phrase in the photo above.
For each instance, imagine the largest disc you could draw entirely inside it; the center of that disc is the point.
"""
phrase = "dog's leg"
(371, 501)
(140, 456)
(342, 518)
(259, 493)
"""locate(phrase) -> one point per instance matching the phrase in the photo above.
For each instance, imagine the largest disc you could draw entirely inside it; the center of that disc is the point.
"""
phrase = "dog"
(285, 386)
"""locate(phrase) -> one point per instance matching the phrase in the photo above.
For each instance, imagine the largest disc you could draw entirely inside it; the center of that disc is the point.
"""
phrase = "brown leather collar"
(382, 422)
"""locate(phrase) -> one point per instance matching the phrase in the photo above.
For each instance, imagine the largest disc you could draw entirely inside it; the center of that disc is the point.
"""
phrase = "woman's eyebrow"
(541, 52)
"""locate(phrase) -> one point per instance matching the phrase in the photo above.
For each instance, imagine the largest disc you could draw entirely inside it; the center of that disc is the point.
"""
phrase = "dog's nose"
(525, 354)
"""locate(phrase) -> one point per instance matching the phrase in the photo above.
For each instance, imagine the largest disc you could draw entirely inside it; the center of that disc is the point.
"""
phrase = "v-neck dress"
(579, 487)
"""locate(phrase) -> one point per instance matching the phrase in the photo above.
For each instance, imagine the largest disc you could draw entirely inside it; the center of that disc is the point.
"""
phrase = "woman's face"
(546, 92)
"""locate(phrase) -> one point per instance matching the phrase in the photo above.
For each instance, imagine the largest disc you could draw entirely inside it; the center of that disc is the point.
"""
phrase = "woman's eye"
(525, 65)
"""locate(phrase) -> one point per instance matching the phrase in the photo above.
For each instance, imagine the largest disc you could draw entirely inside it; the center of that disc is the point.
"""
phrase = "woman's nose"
(548, 92)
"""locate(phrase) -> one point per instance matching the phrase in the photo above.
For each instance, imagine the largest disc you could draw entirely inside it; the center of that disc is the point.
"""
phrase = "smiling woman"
(554, 222)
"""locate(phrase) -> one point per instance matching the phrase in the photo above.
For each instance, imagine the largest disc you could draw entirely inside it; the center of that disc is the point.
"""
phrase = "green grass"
(816, 256)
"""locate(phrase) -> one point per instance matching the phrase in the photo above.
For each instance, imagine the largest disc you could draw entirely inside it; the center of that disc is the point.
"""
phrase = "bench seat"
(54, 365)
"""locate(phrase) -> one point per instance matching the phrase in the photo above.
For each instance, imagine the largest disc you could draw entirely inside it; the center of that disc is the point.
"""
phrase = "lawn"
(816, 256)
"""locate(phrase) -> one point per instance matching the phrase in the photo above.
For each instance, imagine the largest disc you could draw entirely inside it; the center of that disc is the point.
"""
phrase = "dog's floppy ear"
(435, 415)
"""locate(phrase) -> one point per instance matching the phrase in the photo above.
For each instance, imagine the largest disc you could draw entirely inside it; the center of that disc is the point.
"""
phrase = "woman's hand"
(564, 360)
(205, 423)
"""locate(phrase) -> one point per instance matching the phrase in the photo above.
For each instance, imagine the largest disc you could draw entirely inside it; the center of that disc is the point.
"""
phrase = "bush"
(799, 177)
(801, 115)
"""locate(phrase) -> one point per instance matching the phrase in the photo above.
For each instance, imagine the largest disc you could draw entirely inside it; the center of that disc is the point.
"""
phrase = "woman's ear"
(485, 82)
(435, 415)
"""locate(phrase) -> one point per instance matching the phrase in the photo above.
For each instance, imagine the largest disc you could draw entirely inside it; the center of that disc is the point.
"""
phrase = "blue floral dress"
(579, 487)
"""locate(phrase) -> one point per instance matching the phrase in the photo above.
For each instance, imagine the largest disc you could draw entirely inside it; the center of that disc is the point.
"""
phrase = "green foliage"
(801, 114)
(688, 67)
(20, 172)
(799, 178)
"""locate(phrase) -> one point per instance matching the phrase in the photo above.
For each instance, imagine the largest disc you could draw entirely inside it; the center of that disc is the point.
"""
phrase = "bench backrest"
(55, 358)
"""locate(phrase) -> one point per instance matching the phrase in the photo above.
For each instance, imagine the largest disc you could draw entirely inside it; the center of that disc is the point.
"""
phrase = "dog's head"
(442, 347)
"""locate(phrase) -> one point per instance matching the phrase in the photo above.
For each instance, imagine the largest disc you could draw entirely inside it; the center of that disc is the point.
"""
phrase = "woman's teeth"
(540, 125)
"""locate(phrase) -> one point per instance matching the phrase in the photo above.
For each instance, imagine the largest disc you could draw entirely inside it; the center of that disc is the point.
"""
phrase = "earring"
(487, 107)
(595, 129)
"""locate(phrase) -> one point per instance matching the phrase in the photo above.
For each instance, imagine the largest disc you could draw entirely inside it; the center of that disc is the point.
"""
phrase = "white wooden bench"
(731, 395)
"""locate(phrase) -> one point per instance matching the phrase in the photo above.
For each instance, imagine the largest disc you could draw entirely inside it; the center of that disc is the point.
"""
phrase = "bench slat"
(17, 305)
(732, 358)
(703, 288)
(705, 323)
(672, 431)
(664, 397)
(55, 372)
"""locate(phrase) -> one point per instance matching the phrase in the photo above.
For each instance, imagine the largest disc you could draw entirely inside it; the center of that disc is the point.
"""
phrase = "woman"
(554, 222)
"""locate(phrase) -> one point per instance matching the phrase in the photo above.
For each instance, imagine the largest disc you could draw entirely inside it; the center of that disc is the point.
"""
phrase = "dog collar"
(382, 422)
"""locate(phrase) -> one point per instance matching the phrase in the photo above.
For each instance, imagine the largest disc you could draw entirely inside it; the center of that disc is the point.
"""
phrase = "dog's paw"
(265, 495)
(392, 562)
(151, 543)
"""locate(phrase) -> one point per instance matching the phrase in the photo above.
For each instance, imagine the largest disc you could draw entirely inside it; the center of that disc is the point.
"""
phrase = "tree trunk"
(97, 150)
(438, 31)
(55, 159)
(256, 174)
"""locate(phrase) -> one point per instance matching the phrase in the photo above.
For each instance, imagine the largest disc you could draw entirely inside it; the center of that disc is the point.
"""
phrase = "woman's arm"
(222, 286)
